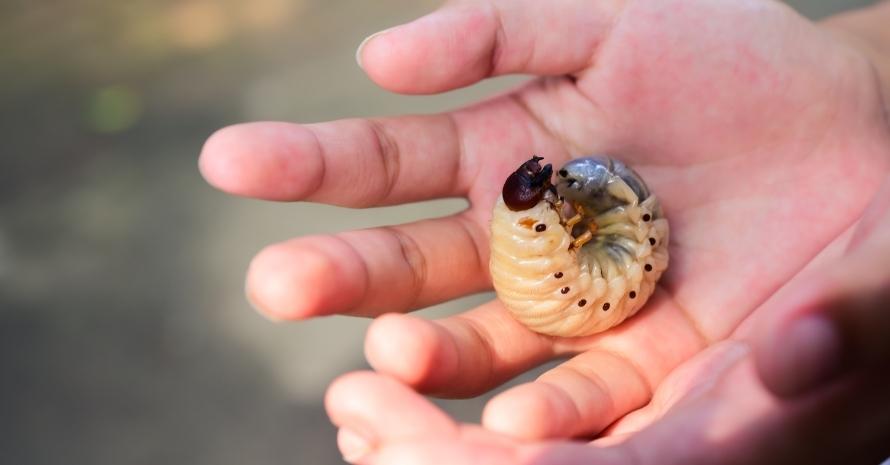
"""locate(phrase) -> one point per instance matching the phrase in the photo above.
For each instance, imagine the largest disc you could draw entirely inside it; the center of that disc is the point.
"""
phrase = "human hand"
(811, 390)
(763, 138)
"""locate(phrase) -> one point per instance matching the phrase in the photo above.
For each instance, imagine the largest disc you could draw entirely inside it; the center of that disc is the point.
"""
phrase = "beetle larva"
(580, 256)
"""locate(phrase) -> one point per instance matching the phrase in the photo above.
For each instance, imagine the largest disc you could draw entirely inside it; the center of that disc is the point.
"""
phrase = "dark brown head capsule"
(526, 186)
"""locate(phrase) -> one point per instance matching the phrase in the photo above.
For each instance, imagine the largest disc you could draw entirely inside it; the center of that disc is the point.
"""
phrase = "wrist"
(865, 30)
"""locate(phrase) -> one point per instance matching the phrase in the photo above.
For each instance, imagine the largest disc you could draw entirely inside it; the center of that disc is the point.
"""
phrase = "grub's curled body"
(579, 256)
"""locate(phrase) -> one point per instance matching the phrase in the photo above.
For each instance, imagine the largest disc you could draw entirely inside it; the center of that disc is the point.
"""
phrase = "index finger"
(387, 161)
(353, 162)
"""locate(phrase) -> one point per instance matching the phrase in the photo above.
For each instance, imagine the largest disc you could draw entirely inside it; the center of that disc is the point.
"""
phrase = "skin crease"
(765, 139)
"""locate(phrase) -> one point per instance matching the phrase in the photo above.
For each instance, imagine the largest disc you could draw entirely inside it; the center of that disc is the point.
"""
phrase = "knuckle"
(390, 158)
(415, 260)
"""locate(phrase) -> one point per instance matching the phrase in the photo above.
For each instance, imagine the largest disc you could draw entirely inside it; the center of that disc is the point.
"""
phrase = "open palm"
(764, 139)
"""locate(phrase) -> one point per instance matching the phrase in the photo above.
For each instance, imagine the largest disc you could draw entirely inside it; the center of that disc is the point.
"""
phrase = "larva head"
(527, 185)
(585, 179)
(581, 178)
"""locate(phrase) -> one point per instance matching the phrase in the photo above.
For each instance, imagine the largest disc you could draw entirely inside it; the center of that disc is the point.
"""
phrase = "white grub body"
(559, 290)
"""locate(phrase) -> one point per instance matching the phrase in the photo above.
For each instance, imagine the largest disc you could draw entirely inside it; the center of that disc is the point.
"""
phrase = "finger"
(613, 376)
(360, 163)
(577, 398)
(477, 447)
(690, 381)
(384, 422)
(464, 42)
(444, 451)
(733, 418)
(834, 322)
(370, 271)
(471, 353)
(375, 405)
(371, 410)
(838, 323)
(355, 162)
(460, 356)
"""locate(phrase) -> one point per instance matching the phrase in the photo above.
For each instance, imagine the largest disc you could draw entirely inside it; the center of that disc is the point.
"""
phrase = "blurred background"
(124, 333)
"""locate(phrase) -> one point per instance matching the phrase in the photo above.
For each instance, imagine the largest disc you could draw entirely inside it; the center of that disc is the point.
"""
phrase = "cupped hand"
(763, 137)
(805, 381)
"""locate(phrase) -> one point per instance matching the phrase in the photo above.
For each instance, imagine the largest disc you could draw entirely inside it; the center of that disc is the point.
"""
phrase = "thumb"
(835, 322)
(467, 41)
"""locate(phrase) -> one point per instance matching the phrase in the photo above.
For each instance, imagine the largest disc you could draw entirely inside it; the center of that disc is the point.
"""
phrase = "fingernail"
(352, 445)
(810, 353)
(361, 46)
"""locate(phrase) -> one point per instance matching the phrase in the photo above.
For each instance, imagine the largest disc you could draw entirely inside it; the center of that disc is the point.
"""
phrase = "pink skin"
(729, 403)
(763, 136)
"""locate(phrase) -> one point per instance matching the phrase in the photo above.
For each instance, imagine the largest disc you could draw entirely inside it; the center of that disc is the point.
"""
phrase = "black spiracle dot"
(633, 294)
(606, 307)
(558, 275)
(647, 217)
(582, 302)
(651, 241)
(541, 227)
(564, 290)
(648, 267)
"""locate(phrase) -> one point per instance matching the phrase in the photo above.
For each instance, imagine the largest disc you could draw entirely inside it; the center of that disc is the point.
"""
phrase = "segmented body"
(558, 288)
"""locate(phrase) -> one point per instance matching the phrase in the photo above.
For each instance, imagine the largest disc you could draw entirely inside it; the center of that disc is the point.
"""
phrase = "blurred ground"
(124, 334)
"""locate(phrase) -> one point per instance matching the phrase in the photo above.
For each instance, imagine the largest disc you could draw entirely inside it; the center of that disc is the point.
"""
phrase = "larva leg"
(620, 190)
(582, 239)
(591, 227)
(579, 214)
